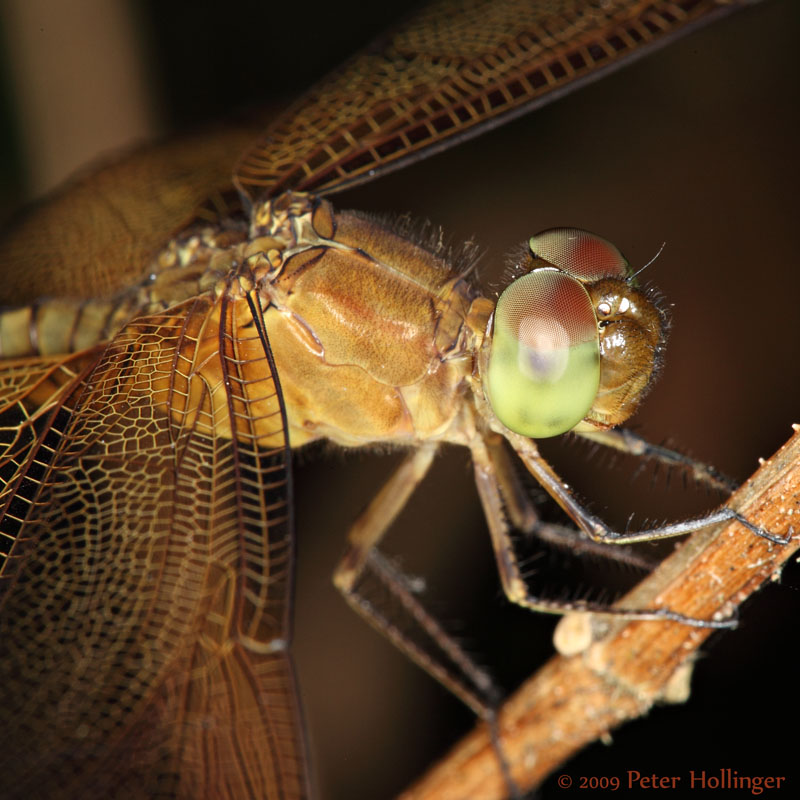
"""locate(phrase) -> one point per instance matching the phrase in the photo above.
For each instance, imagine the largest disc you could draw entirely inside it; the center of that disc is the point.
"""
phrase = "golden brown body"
(374, 336)
(371, 333)
(147, 563)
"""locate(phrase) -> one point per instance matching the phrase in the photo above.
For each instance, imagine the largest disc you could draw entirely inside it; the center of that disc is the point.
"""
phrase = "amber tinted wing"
(447, 74)
(97, 234)
(147, 566)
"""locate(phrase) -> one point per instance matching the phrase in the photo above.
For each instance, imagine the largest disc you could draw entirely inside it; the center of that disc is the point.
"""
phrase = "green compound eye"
(544, 365)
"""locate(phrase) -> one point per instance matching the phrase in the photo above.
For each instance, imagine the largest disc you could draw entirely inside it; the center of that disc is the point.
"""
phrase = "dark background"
(694, 146)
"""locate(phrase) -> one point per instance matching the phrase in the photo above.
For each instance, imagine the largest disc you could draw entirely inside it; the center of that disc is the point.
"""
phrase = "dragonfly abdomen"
(185, 268)
(60, 325)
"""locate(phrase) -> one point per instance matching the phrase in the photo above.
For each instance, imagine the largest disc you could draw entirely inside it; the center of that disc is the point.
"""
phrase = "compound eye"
(544, 364)
(580, 253)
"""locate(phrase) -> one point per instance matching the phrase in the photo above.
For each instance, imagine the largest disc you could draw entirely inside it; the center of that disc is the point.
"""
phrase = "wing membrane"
(97, 234)
(145, 592)
(451, 71)
(446, 75)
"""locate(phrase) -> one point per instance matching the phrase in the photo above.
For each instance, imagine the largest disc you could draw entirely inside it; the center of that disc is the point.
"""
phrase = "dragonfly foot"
(770, 537)
(727, 623)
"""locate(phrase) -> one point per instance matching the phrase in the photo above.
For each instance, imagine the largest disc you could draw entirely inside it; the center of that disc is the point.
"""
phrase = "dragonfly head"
(574, 343)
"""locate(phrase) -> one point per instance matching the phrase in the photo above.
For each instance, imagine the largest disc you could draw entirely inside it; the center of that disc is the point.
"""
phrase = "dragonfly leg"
(521, 511)
(523, 515)
(514, 585)
(598, 530)
(387, 598)
(367, 531)
(631, 443)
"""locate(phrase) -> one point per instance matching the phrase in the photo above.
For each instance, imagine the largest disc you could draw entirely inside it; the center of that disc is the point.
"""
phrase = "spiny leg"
(462, 676)
(410, 627)
(621, 440)
(598, 530)
(631, 443)
(524, 517)
(518, 505)
(514, 585)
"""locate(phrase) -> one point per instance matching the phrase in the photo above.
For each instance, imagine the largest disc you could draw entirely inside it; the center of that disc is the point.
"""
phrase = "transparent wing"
(450, 72)
(98, 233)
(147, 566)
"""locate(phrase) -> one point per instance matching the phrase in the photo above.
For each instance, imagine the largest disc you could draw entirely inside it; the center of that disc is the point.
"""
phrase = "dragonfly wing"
(447, 74)
(450, 72)
(98, 233)
(147, 566)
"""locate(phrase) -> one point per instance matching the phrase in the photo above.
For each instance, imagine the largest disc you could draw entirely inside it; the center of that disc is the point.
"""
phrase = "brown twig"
(628, 666)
